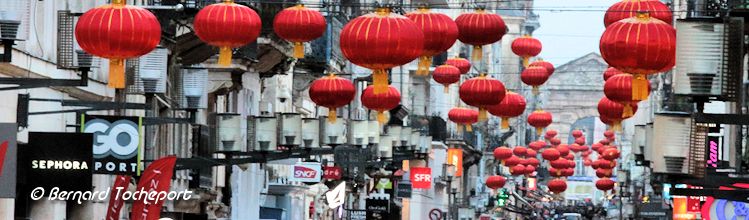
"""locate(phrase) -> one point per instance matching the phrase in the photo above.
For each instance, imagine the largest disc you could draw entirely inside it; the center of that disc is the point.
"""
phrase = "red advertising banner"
(455, 157)
(3, 150)
(421, 177)
(332, 172)
(121, 183)
(156, 178)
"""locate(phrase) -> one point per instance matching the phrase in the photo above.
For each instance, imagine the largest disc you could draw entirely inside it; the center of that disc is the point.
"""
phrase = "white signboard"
(336, 196)
(308, 172)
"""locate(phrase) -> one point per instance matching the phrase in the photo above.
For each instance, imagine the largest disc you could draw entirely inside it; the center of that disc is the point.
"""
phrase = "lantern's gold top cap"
(382, 11)
(119, 2)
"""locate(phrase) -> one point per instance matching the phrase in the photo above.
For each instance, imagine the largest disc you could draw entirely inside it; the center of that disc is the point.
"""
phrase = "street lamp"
(448, 172)
(229, 129)
(359, 133)
(311, 132)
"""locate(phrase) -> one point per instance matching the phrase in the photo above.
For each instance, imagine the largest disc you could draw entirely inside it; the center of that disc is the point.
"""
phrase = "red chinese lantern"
(557, 186)
(619, 89)
(534, 76)
(629, 8)
(614, 111)
(587, 162)
(495, 182)
(577, 133)
(517, 170)
(604, 142)
(605, 184)
(502, 153)
(440, 33)
(117, 32)
(610, 154)
(529, 169)
(394, 41)
(519, 151)
(482, 92)
(537, 145)
(609, 134)
(513, 105)
(560, 163)
(332, 92)
(586, 153)
(603, 173)
(574, 147)
(540, 119)
(563, 150)
(549, 67)
(550, 154)
(526, 47)
(550, 134)
(606, 164)
(512, 161)
(568, 172)
(446, 75)
(299, 24)
(227, 25)
(611, 71)
(554, 172)
(480, 28)
(533, 161)
(555, 141)
(530, 153)
(463, 116)
(570, 158)
(381, 102)
(639, 45)
(580, 141)
(463, 64)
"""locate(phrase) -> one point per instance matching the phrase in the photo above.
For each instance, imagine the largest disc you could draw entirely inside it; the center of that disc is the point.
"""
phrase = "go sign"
(116, 143)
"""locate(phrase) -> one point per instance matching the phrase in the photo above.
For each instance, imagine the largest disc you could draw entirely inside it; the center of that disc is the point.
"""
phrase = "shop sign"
(378, 209)
(61, 160)
(332, 173)
(337, 196)
(308, 172)
(421, 177)
(455, 158)
(116, 145)
(404, 190)
(8, 160)
(357, 214)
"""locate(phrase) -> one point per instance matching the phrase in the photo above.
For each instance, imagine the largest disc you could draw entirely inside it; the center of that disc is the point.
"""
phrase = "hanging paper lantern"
(580, 141)
(530, 153)
(540, 119)
(495, 182)
(614, 111)
(446, 75)
(299, 24)
(332, 92)
(440, 33)
(611, 154)
(534, 76)
(629, 8)
(595, 146)
(537, 145)
(549, 67)
(513, 105)
(529, 170)
(557, 186)
(611, 71)
(519, 151)
(563, 150)
(574, 147)
(605, 142)
(609, 134)
(554, 172)
(639, 45)
(570, 158)
(603, 173)
(526, 47)
(512, 161)
(394, 41)
(533, 161)
(502, 153)
(568, 172)
(550, 134)
(227, 25)
(482, 92)
(619, 89)
(606, 164)
(381, 102)
(517, 170)
(463, 117)
(480, 28)
(117, 32)
(463, 64)
(587, 162)
(603, 149)
(555, 141)
(605, 184)
(577, 133)
(550, 154)
(560, 163)
(586, 153)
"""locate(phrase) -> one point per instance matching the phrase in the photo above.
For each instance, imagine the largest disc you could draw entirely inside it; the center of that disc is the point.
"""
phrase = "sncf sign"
(421, 177)
(306, 172)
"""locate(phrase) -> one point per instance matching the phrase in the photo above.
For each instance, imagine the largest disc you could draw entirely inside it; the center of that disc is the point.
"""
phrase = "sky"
(569, 28)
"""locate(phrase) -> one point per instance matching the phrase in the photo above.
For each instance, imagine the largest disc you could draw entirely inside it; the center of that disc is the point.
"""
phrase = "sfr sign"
(421, 177)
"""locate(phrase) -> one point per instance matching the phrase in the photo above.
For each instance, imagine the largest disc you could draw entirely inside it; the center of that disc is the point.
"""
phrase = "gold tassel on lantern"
(535, 90)
(381, 118)
(424, 63)
(447, 89)
(469, 128)
(628, 111)
(478, 53)
(332, 116)
(639, 87)
(224, 56)
(526, 61)
(482, 114)
(539, 131)
(298, 50)
(380, 81)
(617, 126)
(116, 73)
(505, 123)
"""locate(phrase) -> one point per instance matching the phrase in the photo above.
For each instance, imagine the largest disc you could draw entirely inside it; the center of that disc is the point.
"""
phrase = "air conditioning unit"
(192, 92)
(709, 55)
(262, 133)
(230, 132)
(333, 134)
(671, 139)
(374, 132)
(310, 132)
(290, 129)
(359, 133)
